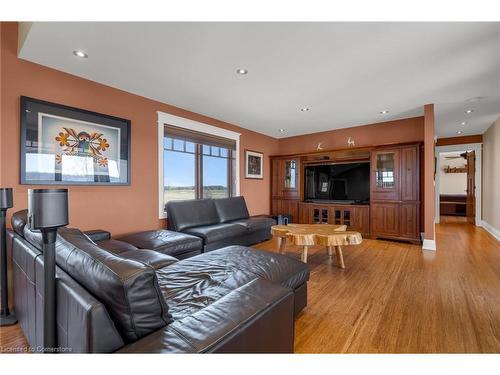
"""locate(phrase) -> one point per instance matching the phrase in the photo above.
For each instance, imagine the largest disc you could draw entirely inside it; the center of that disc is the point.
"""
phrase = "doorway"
(458, 184)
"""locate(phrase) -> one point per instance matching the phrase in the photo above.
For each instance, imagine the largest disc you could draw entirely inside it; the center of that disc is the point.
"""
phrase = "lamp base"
(8, 320)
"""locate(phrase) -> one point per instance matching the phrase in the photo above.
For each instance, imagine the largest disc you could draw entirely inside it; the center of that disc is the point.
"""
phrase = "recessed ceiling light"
(459, 132)
(305, 109)
(469, 111)
(463, 123)
(242, 71)
(384, 112)
(80, 53)
(281, 130)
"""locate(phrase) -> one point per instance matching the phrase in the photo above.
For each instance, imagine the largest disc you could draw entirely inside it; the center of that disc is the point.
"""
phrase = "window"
(195, 171)
(196, 161)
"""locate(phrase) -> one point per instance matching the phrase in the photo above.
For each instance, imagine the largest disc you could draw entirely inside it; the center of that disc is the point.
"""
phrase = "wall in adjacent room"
(491, 176)
(120, 209)
(397, 131)
(452, 183)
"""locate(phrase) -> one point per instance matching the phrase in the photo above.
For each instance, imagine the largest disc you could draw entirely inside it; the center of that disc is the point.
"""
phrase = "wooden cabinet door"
(409, 173)
(303, 214)
(385, 171)
(276, 178)
(290, 178)
(385, 219)
(275, 206)
(361, 220)
(409, 220)
(291, 207)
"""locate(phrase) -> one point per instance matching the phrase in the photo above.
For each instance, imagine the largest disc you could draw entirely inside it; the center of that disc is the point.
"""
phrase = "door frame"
(477, 147)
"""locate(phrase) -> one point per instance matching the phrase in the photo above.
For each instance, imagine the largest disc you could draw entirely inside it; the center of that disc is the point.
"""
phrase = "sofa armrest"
(97, 235)
(255, 318)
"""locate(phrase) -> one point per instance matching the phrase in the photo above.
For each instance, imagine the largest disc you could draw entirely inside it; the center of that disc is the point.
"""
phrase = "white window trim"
(181, 122)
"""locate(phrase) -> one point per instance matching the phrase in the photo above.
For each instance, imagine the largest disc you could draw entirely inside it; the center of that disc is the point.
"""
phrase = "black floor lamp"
(7, 317)
(48, 211)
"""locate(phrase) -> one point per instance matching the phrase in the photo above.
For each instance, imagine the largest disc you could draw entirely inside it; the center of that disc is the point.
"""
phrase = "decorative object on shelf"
(350, 142)
(61, 145)
(254, 164)
(449, 169)
(48, 211)
(319, 147)
(7, 317)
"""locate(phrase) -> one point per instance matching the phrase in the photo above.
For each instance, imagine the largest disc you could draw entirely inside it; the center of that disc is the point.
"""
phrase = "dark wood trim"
(367, 148)
(466, 139)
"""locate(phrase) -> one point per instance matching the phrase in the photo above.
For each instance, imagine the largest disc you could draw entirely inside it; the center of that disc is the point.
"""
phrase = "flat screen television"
(338, 183)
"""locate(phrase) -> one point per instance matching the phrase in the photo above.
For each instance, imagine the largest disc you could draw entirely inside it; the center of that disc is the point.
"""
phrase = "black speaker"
(47, 211)
(6, 200)
(47, 208)
(7, 317)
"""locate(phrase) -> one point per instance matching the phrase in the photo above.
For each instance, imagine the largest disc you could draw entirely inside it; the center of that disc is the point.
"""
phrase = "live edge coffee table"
(305, 235)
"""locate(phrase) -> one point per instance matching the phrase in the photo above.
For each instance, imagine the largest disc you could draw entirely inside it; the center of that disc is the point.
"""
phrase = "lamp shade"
(47, 208)
(6, 200)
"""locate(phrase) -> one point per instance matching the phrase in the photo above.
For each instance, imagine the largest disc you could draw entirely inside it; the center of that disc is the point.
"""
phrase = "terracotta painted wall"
(398, 131)
(429, 165)
(118, 209)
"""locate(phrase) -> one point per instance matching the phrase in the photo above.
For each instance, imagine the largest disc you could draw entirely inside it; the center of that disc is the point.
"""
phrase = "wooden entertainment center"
(395, 203)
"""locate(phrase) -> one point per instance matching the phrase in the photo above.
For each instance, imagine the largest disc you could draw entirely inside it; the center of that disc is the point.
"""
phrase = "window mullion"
(229, 175)
(199, 171)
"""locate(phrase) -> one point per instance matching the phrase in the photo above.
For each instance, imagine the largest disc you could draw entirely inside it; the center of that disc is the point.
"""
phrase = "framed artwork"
(61, 145)
(254, 164)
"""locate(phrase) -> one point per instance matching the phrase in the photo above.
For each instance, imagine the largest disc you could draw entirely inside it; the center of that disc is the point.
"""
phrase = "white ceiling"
(346, 73)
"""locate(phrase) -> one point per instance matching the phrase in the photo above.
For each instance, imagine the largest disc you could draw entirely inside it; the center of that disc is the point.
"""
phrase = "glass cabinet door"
(385, 170)
(290, 174)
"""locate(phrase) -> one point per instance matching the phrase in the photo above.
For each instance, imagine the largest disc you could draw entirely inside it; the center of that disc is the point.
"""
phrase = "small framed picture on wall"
(254, 164)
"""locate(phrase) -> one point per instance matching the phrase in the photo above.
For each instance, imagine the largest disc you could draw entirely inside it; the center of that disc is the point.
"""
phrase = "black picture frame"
(108, 156)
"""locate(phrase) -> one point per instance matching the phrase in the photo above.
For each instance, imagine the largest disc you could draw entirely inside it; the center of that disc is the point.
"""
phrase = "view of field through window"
(181, 161)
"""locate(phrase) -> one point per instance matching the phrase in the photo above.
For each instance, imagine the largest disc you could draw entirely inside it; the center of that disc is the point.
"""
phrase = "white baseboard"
(429, 245)
(491, 229)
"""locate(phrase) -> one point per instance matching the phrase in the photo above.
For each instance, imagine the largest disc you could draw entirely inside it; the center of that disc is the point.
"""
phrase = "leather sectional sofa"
(218, 222)
(127, 299)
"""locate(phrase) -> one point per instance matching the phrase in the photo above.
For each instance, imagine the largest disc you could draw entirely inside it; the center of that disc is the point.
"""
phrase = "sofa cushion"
(116, 246)
(164, 241)
(191, 213)
(129, 289)
(230, 209)
(192, 284)
(213, 233)
(256, 222)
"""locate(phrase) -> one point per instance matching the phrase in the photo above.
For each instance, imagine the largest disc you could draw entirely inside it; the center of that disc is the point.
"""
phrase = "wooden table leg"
(304, 253)
(329, 250)
(340, 257)
(282, 241)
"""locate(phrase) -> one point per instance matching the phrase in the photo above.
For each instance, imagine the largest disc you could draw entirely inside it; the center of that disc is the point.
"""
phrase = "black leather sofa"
(218, 222)
(234, 299)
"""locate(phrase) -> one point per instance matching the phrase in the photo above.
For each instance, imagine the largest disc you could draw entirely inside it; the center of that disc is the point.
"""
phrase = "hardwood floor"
(395, 298)
(12, 340)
